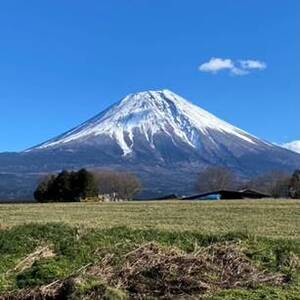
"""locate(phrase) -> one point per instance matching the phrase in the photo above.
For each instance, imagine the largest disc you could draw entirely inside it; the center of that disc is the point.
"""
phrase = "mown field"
(151, 250)
(268, 218)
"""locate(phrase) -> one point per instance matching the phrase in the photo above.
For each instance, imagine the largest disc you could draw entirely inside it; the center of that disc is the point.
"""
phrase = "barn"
(228, 195)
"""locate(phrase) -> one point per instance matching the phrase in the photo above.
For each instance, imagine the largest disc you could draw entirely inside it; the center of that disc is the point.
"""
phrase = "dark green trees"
(67, 187)
(294, 189)
(85, 184)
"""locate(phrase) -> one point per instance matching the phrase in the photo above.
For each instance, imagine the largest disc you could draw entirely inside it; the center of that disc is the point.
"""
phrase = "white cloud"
(239, 71)
(294, 146)
(239, 68)
(216, 64)
(252, 64)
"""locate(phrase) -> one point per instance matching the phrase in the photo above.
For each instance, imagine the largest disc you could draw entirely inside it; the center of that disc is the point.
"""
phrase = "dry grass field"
(269, 218)
(223, 250)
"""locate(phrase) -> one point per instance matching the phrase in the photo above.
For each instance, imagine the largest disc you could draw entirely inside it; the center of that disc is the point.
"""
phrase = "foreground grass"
(77, 235)
(267, 218)
(75, 248)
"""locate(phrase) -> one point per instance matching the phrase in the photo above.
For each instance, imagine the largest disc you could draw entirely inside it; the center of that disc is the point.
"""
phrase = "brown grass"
(269, 218)
(40, 253)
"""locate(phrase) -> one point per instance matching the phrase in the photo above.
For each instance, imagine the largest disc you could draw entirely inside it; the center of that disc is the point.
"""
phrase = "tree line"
(79, 185)
(76, 186)
(276, 184)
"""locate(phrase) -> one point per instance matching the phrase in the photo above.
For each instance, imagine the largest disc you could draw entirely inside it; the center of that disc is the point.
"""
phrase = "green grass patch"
(78, 247)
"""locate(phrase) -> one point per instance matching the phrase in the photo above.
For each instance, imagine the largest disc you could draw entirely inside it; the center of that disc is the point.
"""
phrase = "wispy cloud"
(252, 64)
(294, 146)
(238, 68)
(238, 71)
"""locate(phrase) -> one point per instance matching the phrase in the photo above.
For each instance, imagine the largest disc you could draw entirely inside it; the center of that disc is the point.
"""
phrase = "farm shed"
(227, 195)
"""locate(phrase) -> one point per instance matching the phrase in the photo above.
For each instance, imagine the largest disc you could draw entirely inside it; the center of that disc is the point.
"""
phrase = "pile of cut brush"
(156, 272)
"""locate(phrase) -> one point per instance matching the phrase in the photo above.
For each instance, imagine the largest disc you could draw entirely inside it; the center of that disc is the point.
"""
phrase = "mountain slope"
(159, 135)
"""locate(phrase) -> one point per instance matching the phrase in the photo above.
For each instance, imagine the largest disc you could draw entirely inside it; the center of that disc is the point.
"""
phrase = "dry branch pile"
(152, 270)
(164, 273)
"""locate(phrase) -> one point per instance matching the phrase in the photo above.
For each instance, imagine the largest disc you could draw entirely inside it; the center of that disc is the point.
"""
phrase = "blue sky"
(62, 62)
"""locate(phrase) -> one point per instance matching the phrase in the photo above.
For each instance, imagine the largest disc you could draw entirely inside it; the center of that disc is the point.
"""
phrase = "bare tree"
(125, 185)
(216, 178)
(275, 183)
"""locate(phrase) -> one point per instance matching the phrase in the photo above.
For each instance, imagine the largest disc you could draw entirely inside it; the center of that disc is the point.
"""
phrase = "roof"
(230, 194)
(166, 197)
(197, 196)
(254, 192)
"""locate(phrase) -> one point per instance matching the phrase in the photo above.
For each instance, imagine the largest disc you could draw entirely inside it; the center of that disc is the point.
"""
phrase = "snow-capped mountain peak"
(150, 113)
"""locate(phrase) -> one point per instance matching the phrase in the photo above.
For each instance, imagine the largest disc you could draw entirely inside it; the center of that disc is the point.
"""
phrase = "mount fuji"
(159, 135)
(149, 117)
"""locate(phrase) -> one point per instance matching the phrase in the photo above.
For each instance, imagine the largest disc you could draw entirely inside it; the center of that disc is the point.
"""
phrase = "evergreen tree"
(67, 187)
(40, 193)
(45, 190)
(63, 187)
(86, 184)
(294, 189)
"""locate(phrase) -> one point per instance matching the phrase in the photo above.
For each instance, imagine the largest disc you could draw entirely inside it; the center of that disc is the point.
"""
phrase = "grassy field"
(268, 218)
(151, 250)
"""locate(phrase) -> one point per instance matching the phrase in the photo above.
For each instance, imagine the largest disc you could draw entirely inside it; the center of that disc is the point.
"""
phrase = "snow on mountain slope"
(148, 114)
